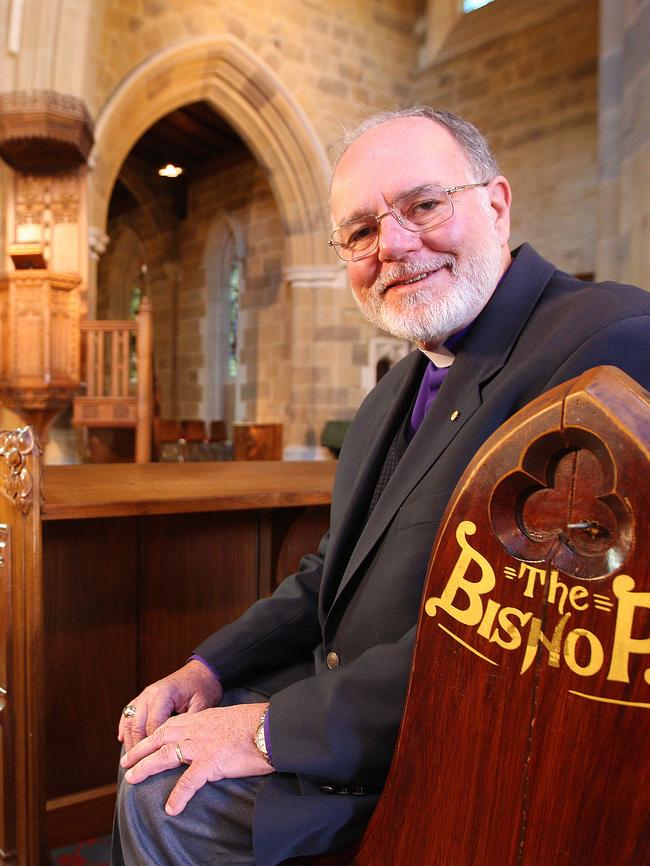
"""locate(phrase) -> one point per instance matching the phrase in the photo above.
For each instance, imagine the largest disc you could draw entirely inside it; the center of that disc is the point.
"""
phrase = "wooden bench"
(109, 576)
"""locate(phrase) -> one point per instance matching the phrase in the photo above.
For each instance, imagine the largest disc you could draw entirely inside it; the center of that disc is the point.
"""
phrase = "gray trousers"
(216, 826)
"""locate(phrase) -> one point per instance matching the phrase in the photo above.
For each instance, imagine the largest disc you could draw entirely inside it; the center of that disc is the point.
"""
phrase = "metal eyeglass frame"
(392, 212)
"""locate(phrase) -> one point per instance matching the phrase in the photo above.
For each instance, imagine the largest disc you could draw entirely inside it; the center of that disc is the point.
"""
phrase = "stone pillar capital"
(315, 276)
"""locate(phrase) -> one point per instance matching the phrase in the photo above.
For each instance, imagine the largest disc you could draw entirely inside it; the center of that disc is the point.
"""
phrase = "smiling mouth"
(416, 279)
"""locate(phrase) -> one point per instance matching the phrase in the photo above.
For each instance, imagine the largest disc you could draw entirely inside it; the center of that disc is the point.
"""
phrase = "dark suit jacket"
(360, 595)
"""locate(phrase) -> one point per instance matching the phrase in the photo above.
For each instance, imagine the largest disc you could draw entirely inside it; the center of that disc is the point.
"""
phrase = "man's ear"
(500, 199)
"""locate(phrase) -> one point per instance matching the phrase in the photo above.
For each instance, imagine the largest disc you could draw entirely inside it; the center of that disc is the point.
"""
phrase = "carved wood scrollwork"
(562, 505)
(16, 481)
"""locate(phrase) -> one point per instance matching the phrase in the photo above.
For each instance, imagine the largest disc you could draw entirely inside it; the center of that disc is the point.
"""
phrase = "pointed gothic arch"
(222, 71)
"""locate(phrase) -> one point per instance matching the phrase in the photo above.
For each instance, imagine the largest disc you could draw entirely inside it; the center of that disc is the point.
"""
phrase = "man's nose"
(395, 241)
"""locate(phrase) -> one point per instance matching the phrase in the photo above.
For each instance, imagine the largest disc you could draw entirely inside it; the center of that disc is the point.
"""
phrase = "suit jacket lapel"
(485, 351)
(351, 525)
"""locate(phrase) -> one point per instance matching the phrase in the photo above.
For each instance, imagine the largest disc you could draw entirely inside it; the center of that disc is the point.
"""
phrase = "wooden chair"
(525, 736)
(256, 441)
(194, 432)
(112, 405)
(218, 431)
(220, 448)
(170, 446)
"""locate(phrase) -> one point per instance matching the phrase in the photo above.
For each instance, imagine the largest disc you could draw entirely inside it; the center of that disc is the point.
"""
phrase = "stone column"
(314, 291)
(623, 250)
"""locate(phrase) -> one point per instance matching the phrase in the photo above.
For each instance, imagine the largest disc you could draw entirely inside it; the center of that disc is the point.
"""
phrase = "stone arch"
(221, 70)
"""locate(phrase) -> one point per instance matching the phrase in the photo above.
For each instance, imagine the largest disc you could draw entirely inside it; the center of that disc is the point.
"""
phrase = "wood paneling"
(200, 571)
(90, 577)
(135, 565)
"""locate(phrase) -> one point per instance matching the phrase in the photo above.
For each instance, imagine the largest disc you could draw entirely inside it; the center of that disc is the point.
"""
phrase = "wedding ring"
(129, 711)
(179, 754)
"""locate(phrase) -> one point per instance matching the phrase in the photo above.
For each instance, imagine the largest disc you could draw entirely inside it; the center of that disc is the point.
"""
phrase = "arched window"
(121, 276)
(224, 267)
(233, 316)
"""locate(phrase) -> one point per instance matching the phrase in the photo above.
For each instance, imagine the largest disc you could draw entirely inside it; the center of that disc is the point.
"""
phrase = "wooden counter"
(118, 490)
(139, 563)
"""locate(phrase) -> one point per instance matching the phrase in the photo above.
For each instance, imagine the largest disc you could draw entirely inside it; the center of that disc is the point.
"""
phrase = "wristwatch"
(260, 740)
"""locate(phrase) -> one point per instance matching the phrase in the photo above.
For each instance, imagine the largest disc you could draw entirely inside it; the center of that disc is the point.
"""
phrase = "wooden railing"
(119, 378)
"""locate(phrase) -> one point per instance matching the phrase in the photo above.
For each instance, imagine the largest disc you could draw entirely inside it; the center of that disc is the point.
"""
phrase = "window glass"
(233, 304)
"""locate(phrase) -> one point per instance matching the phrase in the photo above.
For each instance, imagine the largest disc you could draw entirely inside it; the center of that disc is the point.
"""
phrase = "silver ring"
(129, 711)
(179, 755)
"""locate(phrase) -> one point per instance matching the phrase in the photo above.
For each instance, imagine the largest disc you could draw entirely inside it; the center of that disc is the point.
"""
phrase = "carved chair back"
(525, 737)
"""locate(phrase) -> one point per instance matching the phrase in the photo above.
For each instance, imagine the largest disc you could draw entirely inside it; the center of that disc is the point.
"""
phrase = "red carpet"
(92, 852)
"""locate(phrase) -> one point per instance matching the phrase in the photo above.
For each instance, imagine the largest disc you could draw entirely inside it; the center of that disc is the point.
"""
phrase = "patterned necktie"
(429, 387)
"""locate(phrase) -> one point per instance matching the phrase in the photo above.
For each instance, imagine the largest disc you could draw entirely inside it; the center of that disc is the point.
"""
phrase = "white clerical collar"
(441, 357)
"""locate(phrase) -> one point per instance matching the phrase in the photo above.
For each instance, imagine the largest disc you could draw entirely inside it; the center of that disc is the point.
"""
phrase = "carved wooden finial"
(16, 447)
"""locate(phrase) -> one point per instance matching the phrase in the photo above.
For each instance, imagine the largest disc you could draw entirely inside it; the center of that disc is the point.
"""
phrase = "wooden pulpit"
(526, 733)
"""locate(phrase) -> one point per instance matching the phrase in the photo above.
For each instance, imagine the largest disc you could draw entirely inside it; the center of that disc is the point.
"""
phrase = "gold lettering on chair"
(624, 644)
(467, 591)
(475, 603)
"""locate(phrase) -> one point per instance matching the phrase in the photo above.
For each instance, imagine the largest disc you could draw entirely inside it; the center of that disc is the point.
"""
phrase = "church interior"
(168, 295)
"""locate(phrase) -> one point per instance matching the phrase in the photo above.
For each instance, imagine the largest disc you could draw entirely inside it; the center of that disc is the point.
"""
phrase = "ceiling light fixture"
(170, 170)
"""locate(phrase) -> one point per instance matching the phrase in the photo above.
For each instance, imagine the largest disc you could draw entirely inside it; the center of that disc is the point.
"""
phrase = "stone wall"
(288, 75)
(145, 234)
(241, 199)
(188, 295)
(526, 75)
(340, 60)
(624, 125)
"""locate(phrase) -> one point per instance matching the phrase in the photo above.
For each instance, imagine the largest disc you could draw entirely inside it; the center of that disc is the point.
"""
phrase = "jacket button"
(332, 660)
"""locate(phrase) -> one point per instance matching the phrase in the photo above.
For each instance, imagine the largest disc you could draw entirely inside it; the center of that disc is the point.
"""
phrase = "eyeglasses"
(416, 211)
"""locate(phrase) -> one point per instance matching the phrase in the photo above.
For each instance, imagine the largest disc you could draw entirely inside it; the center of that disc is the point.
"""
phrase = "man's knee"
(144, 803)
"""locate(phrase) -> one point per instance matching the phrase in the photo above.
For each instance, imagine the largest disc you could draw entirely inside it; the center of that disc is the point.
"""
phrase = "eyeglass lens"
(417, 211)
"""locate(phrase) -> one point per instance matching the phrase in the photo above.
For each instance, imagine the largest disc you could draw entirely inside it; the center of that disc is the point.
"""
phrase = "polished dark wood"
(92, 620)
(526, 731)
(199, 572)
(167, 488)
(111, 577)
(22, 662)
(96, 807)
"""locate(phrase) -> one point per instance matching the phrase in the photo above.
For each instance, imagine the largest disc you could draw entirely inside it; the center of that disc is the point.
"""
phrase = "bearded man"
(274, 740)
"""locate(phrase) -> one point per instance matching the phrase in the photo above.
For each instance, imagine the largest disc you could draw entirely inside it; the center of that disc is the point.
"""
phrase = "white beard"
(423, 316)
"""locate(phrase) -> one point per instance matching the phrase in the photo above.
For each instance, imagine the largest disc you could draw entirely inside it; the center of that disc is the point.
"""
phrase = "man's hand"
(190, 689)
(216, 743)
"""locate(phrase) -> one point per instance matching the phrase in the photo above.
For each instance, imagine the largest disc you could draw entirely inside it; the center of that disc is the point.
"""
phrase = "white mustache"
(404, 270)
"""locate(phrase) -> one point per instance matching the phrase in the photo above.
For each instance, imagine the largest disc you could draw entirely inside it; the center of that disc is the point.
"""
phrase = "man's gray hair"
(477, 151)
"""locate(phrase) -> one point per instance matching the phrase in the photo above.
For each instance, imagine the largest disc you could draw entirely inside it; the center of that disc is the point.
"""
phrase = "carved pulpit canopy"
(525, 737)
(42, 131)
